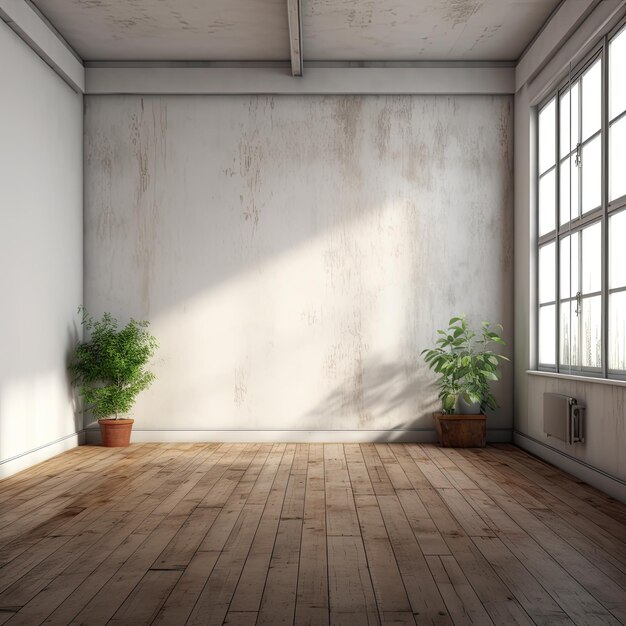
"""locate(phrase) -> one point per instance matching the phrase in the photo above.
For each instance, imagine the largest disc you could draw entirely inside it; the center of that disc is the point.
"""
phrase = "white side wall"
(601, 459)
(40, 254)
(296, 253)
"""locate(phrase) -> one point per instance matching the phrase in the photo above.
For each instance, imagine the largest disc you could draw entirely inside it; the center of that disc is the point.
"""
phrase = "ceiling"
(333, 30)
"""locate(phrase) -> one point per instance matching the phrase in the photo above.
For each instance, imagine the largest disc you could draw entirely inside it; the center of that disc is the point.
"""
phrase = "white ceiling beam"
(318, 80)
(600, 21)
(294, 14)
(44, 40)
(563, 23)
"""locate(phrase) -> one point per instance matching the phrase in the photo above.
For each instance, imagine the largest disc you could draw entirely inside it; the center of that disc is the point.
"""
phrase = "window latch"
(578, 159)
(579, 301)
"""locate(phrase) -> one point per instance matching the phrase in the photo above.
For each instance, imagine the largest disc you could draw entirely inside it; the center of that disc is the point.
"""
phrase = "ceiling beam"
(38, 34)
(562, 24)
(294, 14)
(318, 80)
(555, 67)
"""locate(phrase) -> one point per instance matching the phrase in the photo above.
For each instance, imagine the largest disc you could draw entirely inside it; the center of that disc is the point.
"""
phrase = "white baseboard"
(27, 459)
(611, 485)
(288, 436)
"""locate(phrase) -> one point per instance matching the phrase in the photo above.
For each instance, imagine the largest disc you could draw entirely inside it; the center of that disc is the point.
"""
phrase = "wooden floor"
(274, 534)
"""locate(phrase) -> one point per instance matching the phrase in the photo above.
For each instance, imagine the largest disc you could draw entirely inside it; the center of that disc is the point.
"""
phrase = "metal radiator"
(563, 418)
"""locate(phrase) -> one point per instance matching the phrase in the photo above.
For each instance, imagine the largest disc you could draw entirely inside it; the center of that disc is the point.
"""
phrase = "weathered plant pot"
(461, 431)
(116, 433)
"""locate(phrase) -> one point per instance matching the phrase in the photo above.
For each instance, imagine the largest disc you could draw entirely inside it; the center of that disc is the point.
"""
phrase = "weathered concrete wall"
(41, 260)
(295, 254)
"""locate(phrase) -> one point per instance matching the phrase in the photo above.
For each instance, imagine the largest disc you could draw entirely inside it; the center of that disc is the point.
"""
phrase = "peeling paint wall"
(41, 259)
(295, 254)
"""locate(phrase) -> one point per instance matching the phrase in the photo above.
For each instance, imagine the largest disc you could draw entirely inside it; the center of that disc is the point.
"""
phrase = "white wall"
(40, 254)
(296, 253)
(601, 459)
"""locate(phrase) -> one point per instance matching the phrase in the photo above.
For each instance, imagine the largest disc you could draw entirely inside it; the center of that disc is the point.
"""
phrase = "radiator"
(563, 418)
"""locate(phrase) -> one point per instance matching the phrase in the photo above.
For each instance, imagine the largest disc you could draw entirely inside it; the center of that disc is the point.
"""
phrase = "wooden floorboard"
(307, 535)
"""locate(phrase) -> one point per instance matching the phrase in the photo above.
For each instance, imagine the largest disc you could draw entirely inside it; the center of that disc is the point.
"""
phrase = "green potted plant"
(110, 369)
(467, 365)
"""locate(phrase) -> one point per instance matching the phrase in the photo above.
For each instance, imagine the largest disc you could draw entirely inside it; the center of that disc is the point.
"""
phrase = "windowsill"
(579, 379)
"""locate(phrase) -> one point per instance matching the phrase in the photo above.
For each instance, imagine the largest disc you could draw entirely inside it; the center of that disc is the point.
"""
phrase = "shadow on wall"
(378, 393)
(74, 336)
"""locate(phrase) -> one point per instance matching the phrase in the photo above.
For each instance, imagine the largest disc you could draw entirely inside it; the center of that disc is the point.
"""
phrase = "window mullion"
(617, 118)
(604, 282)
(577, 225)
(577, 356)
(579, 135)
(557, 219)
(579, 301)
(616, 205)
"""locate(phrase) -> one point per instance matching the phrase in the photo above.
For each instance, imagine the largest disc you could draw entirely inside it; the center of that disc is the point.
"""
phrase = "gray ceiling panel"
(333, 30)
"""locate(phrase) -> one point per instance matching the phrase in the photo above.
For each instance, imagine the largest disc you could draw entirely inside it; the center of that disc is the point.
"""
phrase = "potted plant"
(111, 370)
(467, 365)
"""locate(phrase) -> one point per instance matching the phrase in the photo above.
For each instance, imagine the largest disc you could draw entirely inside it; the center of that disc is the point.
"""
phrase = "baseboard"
(611, 485)
(27, 459)
(289, 436)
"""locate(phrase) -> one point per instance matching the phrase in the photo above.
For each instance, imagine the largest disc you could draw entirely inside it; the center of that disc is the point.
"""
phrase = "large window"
(581, 189)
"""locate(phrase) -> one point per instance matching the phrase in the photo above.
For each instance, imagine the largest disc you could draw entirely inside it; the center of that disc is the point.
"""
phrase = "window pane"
(546, 203)
(547, 270)
(617, 69)
(592, 259)
(592, 332)
(617, 158)
(617, 331)
(568, 133)
(569, 266)
(568, 196)
(591, 96)
(547, 127)
(569, 334)
(592, 102)
(617, 250)
(591, 175)
(547, 335)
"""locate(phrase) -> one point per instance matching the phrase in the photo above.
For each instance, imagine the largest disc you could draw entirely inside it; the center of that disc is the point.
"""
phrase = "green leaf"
(110, 368)
(464, 363)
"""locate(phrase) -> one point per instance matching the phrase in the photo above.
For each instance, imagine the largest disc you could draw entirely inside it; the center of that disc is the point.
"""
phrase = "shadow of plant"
(383, 395)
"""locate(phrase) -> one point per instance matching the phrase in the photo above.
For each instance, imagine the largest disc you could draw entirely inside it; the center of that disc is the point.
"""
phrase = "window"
(581, 226)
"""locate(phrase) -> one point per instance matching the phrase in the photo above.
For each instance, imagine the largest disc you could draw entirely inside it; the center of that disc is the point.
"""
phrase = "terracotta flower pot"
(116, 433)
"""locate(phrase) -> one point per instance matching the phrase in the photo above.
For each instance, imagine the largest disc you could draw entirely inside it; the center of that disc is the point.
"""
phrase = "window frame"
(599, 214)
